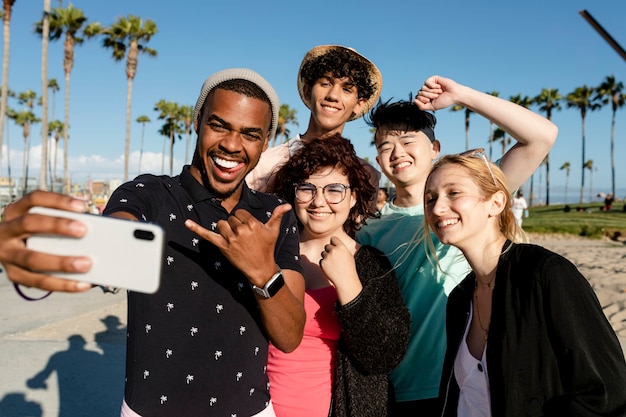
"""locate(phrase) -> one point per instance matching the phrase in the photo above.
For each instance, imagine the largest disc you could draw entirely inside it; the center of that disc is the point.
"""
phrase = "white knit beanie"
(239, 74)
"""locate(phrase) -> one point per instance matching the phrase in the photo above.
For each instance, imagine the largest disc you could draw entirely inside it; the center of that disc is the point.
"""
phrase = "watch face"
(276, 284)
(272, 286)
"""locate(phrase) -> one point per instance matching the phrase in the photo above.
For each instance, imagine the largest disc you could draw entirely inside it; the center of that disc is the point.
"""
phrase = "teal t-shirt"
(425, 288)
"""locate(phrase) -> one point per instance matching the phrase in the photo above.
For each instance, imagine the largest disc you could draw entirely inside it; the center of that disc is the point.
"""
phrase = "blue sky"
(509, 47)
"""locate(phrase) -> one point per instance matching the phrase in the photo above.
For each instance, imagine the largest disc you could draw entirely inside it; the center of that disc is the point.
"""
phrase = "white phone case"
(124, 253)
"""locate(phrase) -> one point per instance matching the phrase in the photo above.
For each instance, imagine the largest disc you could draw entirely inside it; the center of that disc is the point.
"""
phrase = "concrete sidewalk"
(62, 356)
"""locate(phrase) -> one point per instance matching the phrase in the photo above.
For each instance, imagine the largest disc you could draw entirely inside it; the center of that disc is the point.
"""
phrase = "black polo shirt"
(197, 346)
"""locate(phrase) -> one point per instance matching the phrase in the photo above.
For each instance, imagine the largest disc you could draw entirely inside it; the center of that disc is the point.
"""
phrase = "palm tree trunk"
(66, 127)
(613, 154)
(172, 137)
(129, 96)
(188, 141)
(5, 69)
(143, 129)
(582, 166)
(25, 167)
(163, 157)
(566, 185)
(56, 157)
(44, 95)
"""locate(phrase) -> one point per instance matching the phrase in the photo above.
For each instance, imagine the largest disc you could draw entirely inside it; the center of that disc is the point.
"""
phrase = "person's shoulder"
(267, 201)
(531, 255)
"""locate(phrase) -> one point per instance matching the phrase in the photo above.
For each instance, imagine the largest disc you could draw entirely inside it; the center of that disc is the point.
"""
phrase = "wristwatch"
(272, 286)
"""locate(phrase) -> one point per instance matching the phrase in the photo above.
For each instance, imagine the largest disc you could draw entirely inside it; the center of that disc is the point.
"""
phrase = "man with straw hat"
(338, 85)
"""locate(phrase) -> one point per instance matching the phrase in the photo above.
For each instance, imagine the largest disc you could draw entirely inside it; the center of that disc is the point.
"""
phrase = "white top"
(473, 380)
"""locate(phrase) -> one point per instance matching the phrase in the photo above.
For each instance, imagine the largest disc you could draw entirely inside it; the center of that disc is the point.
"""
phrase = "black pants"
(419, 408)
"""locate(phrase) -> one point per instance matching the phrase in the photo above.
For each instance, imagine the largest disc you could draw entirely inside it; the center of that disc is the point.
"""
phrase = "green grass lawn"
(590, 223)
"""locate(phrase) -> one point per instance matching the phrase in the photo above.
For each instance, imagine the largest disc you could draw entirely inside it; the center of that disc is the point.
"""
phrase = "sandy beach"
(603, 263)
(57, 352)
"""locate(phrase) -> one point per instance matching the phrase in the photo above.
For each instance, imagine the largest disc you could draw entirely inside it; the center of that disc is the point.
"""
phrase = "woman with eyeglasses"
(526, 335)
(357, 326)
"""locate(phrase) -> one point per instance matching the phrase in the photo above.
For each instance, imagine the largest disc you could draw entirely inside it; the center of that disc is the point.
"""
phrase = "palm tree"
(548, 100)
(611, 90)
(25, 119)
(286, 115)
(458, 107)
(499, 134)
(589, 165)
(127, 37)
(55, 127)
(6, 24)
(68, 21)
(143, 120)
(495, 94)
(186, 116)
(170, 112)
(53, 86)
(9, 93)
(45, 31)
(581, 99)
(566, 167)
(170, 130)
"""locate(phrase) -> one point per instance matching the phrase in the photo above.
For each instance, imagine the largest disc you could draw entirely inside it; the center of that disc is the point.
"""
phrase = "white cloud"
(84, 167)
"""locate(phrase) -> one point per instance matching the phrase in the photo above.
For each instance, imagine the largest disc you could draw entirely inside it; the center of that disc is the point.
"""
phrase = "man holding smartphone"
(231, 276)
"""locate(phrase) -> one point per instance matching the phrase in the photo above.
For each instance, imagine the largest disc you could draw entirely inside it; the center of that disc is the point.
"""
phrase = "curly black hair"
(339, 63)
(332, 152)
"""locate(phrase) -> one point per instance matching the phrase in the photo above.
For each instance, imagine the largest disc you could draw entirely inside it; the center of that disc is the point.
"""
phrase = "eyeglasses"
(480, 153)
(333, 193)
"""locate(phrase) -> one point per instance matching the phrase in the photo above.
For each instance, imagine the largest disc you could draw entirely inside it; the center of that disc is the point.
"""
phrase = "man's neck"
(315, 131)
(409, 196)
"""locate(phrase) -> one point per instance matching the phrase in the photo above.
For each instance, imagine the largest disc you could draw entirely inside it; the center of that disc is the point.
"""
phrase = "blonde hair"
(490, 179)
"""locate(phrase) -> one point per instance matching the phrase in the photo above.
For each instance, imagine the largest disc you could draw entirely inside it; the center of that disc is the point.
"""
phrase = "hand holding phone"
(124, 254)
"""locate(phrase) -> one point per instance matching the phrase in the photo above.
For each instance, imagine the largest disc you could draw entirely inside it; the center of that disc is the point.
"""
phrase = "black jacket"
(551, 350)
(375, 330)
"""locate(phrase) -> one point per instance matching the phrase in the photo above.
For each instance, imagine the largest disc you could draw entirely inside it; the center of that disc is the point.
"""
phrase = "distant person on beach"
(383, 196)
(338, 85)
(232, 278)
(407, 145)
(608, 202)
(518, 207)
(526, 334)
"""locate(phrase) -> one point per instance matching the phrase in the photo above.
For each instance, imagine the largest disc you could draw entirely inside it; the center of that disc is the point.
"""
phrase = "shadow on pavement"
(90, 383)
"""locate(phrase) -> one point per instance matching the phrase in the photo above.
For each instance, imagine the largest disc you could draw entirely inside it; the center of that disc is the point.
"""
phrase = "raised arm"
(535, 135)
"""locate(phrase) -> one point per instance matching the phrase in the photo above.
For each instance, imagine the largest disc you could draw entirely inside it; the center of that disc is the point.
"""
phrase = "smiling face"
(455, 208)
(332, 102)
(406, 158)
(318, 217)
(233, 132)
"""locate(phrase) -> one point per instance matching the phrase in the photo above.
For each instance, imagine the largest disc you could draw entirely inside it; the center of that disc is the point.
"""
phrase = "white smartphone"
(124, 253)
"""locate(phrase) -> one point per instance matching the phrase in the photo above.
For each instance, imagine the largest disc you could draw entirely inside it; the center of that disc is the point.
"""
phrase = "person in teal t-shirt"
(406, 149)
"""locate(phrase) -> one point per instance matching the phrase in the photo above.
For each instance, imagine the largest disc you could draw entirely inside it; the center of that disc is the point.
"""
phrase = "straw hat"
(376, 78)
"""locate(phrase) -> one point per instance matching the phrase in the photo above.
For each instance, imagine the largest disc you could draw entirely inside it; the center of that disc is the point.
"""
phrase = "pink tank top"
(301, 381)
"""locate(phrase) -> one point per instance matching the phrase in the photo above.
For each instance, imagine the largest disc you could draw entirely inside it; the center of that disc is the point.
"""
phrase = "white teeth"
(319, 214)
(402, 165)
(224, 163)
(331, 109)
(447, 222)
